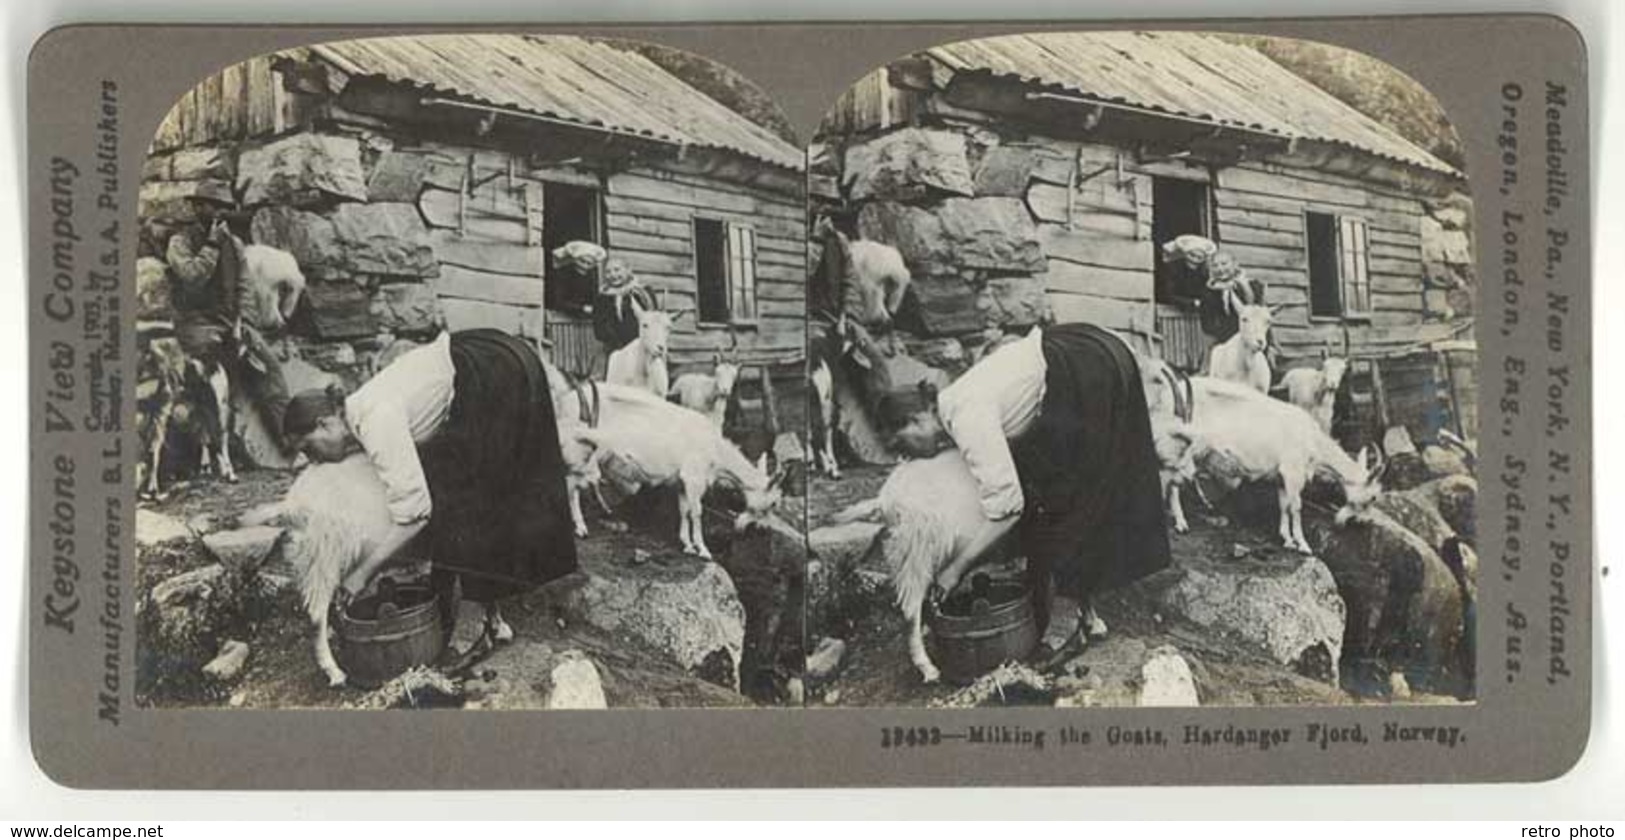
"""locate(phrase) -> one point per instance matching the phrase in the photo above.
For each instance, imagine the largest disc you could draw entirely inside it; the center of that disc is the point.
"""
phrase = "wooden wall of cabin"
(1260, 217)
(649, 223)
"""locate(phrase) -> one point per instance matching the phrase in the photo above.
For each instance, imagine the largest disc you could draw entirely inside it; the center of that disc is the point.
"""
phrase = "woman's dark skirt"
(1094, 517)
(501, 521)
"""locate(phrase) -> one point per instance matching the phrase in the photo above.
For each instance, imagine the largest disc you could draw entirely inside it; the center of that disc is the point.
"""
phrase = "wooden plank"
(793, 200)
(234, 101)
(440, 208)
(684, 214)
(1265, 219)
(1383, 195)
(646, 226)
(487, 255)
(620, 239)
(1287, 186)
(1400, 237)
(1410, 253)
(630, 185)
(457, 282)
(786, 273)
(1096, 281)
(1254, 256)
(657, 262)
(1094, 249)
(261, 105)
(1104, 312)
(1398, 266)
(1400, 302)
(1244, 235)
(1396, 283)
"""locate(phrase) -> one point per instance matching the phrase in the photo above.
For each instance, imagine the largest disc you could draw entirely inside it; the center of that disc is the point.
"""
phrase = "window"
(569, 213)
(725, 271)
(1339, 270)
(1178, 207)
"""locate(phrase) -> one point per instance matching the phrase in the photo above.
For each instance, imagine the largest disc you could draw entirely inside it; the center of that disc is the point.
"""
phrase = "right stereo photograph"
(1141, 373)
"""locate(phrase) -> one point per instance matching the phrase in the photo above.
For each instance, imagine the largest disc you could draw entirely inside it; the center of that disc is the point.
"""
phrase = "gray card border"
(1522, 729)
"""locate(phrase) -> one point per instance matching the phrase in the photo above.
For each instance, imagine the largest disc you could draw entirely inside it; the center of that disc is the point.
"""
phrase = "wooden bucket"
(978, 630)
(387, 633)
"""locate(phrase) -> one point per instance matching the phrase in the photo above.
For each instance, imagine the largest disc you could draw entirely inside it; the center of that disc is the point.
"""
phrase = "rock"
(1006, 170)
(228, 664)
(302, 169)
(576, 684)
(994, 234)
(1432, 239)
(262, 444)
(1397, 441)
(401, 176)
(842, 546)
(1165, 680)
(688, 611)
(337, 311)
(310, 237)
(950, 305)
(411, 308)
(187, 587)
(825, 659)
(183, 201)
(1288, 607)
(1404, 471)
(385, 238)
(1451, 217)
(202, 524)
(1404, 606)
(910, 163)
(190, 164)
(1442, 462)
(1454, 247)
(1017, 301)
(153, 528)
(1436, 304)
(180, 601)
(243, 548)
(152, 301)
(945, 354)
(788, 448)
(1456, 497)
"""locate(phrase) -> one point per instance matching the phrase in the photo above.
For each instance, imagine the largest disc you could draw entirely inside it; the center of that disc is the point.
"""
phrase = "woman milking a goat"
(462, 434)
(1055, 430)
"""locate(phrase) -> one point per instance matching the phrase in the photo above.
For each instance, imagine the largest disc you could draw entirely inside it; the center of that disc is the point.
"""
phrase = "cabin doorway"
(1179, 206)
(571, 213)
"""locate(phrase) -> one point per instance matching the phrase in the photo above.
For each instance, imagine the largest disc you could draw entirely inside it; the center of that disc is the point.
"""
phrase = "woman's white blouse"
(403, 405)
(996, 400)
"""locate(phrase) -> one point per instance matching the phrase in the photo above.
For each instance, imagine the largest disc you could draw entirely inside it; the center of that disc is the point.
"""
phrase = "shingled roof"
(1186, 74)
(562, 77)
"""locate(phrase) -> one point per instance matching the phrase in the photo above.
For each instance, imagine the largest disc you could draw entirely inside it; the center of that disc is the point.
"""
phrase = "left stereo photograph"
(471, 375)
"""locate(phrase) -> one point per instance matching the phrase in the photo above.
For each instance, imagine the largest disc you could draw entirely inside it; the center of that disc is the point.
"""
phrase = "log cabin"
(426, 180)
(1029, 178)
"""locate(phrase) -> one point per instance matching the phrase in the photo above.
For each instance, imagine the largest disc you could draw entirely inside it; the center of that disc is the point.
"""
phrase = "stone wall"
(1447, 257)
(366, 255)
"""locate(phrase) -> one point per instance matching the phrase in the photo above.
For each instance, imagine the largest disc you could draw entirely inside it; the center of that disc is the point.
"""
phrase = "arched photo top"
(625, 90)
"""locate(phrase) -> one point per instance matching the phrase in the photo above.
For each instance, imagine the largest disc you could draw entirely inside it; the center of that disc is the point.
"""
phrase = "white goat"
(708, 393)
(333, 516)
(1168, 398)
(1238, 434)
(1241, 358)
(642, 441)
(1315, 390)
(642, 364)
(935, 532)
(874, 277)
(270, 286)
